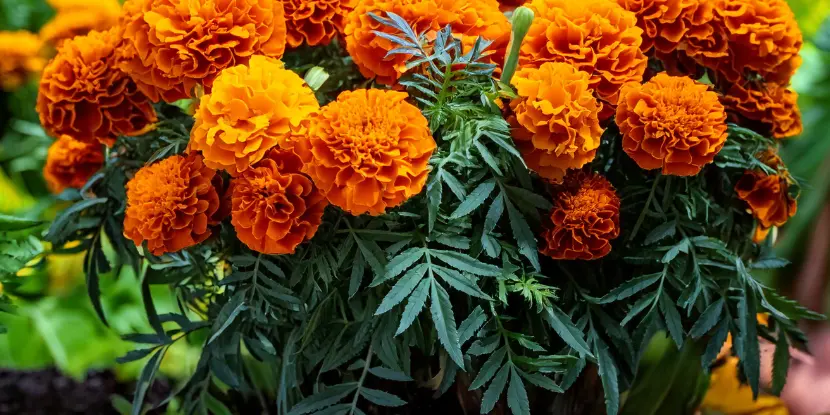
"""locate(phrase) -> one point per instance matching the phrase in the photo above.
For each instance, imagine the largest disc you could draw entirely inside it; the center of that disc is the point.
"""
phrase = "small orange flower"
(172, 46)
(671, 122)
(315, 22)
(21, 57)
(83, 94)
(70, 163)
(598, 37)
(768, 198)
(171, 204)
(275, 206)
(250, 109)
(556, 124)
(774, 106)
(370, 150)
(76, 18)
(584, 220)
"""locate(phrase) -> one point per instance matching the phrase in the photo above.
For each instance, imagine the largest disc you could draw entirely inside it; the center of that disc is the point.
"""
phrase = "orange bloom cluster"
(70, 163)
(251, 108)
(668, 24)
(83, 94)
(172, 46)
(555, 123)
(774, 106)
(315, 22)
(275, 206)
(79, 17)
(171, 204)
(21, 57)
(482, 18)
(671, 122)
(369, 150)
(584, 220)
(598, 37)
(768, 198)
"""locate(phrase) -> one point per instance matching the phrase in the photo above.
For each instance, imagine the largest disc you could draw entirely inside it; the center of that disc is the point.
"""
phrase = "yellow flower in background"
(21, 57)
(79, 17)
(728, 396)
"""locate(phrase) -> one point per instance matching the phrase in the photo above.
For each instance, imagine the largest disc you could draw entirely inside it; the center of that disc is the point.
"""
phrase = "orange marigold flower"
(172, 46)
(598, 37)
(170, 204)
(584, 220)
(21, 56)
(665, 23)
(76, 18)
(671, 122)
(251, 108)
(772, 105)
(555, 122)
(315, 22)
(70, 163)
(768, 198)
(482, 18)
(370, 150)
(275, 206)
(83, 94)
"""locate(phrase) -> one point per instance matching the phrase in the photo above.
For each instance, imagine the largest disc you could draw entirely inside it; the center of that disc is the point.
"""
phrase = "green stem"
(522, 19)
(362, 378)
(645, 209)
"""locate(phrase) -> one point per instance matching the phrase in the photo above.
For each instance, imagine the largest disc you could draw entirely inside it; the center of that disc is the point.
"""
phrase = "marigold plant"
(83, 93)
(171, 47)
(769, 200)
(251, 108)
(370, 150)
(171, 204)
(673, 123)
(21, 52)
(76, 18)
(315, 22)
(584, 220)
(70, 163)
(774, 107)
(275, 206)
(556, 119)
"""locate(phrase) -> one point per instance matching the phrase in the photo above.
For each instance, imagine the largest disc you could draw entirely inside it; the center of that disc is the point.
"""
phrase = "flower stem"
(522, 18)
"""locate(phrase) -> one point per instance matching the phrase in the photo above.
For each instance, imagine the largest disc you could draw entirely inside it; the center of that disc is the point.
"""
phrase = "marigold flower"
(76, 18)
(598, 37)
(584, 220)
(315, 22)
(370, 150)
(482, 18)
(275, 206)
(21, 56)
(665, 23)
(70, 163)
(171, 46)
(83, 94)
(671, 122)
(556, 124)
(772, 105)
(249, 110)
(768, 198)
(170, 204)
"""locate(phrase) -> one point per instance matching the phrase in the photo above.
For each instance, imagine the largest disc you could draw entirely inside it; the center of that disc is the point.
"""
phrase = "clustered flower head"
(250, 110)
(315, 22)
(673, 123)
(21, 57)
(768, 196)
(79, 17)
(369, 150)
(772, 106)
(83, 93)
(482, 18)
(584, 220)
(275, 206)
(70, 163)
(596, 36)
(555, 123)
(667, 24)
(171, 204)
(173, 46)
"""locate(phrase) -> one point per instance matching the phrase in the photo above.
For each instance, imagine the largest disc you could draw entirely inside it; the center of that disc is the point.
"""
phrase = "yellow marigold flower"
(729, 396)
(70, 163)
(772, 106)
(79, 17)
(555, 122)
(172, 46)
(83, 93)
(315, 22)
(21, 57)
(598, 37)
(370, 150)
(671, 122)
(251, 108)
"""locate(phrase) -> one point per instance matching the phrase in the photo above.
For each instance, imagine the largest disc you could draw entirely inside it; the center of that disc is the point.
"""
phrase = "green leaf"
(638, 308)
(375, 261)
(527, 197)
(414, 305)
(489, 368)
(780, 363)
(770, 263)
(494, 214)
(562, 325)
(488, 158)
(682, 246)
(708, 319)
(389, 374)
(471, 324)
(673, 320)
(715, 343)
(524, 236)
(460, 282)
(517, 395)
(324, 399)
(11, 223)
(466, 263)
(381, 398)
(434, 196)
(493, 392)
(402, 288)
(541, 381)
(235, 310)
(749, 350)
(608, 375)
(475, 199)
(630, 287)
(399, 264)
(444, 321)
(358, 270)
(664, 230)
(215, 406)
(454, 184)
(148, 373)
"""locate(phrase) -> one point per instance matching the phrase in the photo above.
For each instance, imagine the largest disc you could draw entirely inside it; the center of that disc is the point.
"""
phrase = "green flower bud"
(522, 18)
